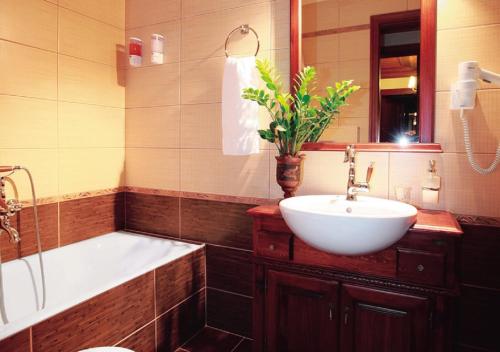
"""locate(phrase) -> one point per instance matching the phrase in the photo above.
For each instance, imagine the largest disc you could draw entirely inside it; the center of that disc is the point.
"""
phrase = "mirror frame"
(427, 84)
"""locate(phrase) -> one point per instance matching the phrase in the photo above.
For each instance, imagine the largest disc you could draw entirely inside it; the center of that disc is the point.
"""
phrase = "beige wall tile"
(172, 33)
(321, 15)
(42, 163)
(89, 39)
(359, 104)
(204, 36)
(356, 12)
(197, 7)
(466, 13)
(153, 86)
(109, 11)
(280, 24)
(354, 45)
(201, 126)
(90, 169)
(28, 122)
(201, 81)
(467, 192)
(326, 173)
(27, 71)
(83, 81)
(208, 171)
(153, 168)
(413, 4)
(455, 46)
(362, 123)
(320, 49)
(157, 127)
(90, 126)
(410, 170)
(147, 12)
(31, 22)
(357, 70)
(327, 74)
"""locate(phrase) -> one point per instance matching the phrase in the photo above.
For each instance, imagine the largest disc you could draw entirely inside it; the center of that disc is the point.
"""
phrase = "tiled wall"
(345, 55)
(62, 94)
(159, 310)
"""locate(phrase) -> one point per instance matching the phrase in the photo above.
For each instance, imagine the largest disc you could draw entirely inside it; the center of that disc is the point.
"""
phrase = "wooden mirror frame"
(427, 81)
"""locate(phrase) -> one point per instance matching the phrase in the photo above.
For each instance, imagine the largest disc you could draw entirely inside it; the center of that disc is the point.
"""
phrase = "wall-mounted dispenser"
(135, 52)
(431, 185)
(157, 47)
(463, 97)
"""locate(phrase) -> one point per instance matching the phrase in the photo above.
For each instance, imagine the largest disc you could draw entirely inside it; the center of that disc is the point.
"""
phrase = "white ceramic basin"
(335, 225)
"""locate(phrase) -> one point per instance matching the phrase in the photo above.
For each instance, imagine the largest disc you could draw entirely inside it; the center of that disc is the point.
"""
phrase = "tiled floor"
(213, 340)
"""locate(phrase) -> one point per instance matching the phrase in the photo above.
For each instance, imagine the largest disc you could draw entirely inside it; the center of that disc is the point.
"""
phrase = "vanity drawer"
(273, 245)
(421, 266)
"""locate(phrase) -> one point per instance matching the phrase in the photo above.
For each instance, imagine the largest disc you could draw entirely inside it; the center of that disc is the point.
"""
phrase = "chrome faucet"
(8, 208)
(353, 187)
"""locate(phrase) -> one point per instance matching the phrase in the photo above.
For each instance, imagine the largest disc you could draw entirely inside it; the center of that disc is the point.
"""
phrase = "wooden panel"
(421, 267)
(375, 147)
(211, 340)
(229, 312)
(84, 218)
(229, 269)
(245, 346)
(19, 342)
(180, 279)
(201, 220)
(24, 223)
(142, 340)
(301, 313)
(273, 244)
(102, 320)
(477, 318)
(181, 323)
(480, 262)
(153, 214)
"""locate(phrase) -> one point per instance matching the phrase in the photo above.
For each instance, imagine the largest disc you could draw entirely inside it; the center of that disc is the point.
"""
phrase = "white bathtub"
(79, 271)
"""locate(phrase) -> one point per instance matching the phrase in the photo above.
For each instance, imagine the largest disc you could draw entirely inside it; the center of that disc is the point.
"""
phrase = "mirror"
(387, 48)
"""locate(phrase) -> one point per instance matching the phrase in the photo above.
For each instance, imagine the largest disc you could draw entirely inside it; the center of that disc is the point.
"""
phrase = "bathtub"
(77, 272)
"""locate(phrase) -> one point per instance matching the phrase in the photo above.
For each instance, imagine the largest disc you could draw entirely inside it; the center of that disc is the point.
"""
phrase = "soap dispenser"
(431, 185)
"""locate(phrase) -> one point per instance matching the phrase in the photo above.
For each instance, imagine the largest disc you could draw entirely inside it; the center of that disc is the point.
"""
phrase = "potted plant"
(295, 118)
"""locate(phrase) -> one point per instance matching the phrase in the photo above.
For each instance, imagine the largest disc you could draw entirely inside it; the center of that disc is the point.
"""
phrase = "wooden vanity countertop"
(427, 220)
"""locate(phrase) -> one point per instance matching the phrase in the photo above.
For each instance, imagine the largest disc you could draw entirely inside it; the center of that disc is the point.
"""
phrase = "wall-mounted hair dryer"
(464, 91)
(463, 97)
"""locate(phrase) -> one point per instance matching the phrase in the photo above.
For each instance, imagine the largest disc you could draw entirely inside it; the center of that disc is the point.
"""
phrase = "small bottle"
(431, 185)
(157, 44)
(135, 52)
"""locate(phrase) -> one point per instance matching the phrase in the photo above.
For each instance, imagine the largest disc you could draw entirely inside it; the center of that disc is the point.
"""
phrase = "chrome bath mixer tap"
(8, 208)
(354, 187)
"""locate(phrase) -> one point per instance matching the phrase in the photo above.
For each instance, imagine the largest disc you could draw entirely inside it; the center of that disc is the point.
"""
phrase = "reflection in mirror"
(338, 39)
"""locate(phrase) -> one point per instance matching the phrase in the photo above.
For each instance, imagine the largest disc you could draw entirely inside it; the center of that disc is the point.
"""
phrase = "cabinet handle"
(420, 267)
(272, 247)
(346, 315)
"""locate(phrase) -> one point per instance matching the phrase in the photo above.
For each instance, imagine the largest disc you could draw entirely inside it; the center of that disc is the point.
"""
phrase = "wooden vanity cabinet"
(396, 300)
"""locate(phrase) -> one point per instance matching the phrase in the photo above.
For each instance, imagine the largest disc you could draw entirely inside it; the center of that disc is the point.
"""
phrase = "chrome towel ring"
(244, 29)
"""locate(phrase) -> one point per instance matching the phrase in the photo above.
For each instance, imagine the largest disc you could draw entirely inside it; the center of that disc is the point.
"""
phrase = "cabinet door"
(381, 321)
(301, 313)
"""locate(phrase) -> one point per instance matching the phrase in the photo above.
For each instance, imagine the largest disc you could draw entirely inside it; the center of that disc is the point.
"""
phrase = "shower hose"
(470, 154)
(3, 311)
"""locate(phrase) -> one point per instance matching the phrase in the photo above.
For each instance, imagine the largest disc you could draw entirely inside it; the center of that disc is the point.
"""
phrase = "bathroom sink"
(335, 225)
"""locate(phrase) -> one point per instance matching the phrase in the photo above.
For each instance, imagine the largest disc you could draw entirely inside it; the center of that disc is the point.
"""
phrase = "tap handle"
(349, 152)
(369, 172)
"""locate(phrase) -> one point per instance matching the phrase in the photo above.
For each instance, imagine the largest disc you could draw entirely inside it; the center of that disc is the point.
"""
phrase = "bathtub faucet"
(8, 208)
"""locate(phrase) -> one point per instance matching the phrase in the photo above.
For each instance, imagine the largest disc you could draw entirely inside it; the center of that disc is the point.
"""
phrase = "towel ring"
(244, 29)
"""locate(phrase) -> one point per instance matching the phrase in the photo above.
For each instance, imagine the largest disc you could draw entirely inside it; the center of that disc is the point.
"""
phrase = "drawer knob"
(272, 247)
(420, 267)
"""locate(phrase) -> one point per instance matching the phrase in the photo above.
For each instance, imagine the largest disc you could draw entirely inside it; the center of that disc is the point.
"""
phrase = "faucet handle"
(349, 152)
(369, 172)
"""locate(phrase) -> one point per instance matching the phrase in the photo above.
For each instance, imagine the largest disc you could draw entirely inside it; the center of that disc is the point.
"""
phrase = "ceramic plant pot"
(289, 173)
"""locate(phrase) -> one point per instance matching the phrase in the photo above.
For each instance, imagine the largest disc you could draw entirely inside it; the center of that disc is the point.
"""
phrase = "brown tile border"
(478, 220)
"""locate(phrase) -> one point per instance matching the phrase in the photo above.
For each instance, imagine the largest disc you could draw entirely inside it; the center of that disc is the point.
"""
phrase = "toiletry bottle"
(431, 185)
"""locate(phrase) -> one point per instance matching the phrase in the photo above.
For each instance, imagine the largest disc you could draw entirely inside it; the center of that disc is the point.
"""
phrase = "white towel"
(240, 117)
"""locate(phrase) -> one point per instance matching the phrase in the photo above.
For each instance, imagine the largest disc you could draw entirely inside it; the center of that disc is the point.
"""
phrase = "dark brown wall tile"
(25, 224)
(245, 346)
(152, 213)
(142, 340)
(229, 312)
(229, 269)
(212, 340)
(19, 342)
(214, 222)
(102, 320)
(180, 279)
(89, 217)
(181, 323)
